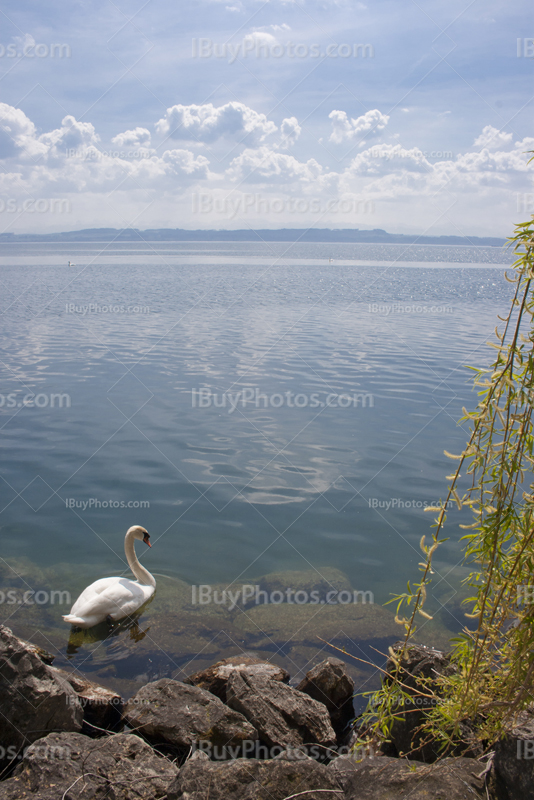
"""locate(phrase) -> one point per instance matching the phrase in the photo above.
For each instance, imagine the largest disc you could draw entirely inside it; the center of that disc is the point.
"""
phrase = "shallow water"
(352, 379)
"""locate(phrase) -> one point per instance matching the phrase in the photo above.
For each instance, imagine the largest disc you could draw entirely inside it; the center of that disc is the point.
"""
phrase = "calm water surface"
(342, 370)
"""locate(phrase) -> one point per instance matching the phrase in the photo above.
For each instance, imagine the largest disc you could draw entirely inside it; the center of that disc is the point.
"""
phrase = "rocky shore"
(237, 729)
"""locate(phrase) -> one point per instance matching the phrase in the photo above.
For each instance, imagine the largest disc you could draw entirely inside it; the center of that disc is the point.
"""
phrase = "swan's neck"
(143, 575)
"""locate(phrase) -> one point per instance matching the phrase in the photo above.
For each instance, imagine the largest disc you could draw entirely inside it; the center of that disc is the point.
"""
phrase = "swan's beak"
(146, 539)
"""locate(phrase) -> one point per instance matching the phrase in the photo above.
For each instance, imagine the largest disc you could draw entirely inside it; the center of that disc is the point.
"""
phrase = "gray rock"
(283, 716)
(424, 662)
(344, 767)
(514, 761)
(214, 678)
(330, 683)
(393, 778)
(172, 713)
(34, 698)
(328, 579)
(102, 708)
(122, 767)
(252, 779)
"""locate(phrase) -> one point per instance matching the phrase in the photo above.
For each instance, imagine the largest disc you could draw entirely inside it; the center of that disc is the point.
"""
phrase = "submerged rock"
(330, 683)
(327, 579)
(122, 768)
(282, 716)
(34, 698)
(171, 713)
(252, 779)
(291, 625)
(214, 679)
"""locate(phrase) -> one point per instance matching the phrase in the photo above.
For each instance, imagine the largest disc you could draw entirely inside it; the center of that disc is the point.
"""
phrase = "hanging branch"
(493, 675)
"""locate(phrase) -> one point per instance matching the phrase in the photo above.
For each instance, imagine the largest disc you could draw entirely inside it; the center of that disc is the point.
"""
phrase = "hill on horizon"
(355, 235)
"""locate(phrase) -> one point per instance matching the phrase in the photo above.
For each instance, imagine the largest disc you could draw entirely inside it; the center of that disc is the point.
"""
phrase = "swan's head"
(140, 533)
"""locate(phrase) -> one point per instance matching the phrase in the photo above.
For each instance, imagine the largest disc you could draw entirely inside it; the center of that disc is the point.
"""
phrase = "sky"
(413, 117)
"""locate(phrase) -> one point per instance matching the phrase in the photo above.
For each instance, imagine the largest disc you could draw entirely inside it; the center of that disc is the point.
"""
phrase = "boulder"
(253, 779)
(345, 766)
(123, 767)
(102, 708)
(214, 678)
(421, 662)
(34, 698)
(330, 683)
(329, 579)
(387, 778)
(514, 761)
(271, 626)
(171, 713)
(283, 716)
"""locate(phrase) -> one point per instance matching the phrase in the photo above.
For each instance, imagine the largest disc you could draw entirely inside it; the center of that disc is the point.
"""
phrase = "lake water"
(261, 410)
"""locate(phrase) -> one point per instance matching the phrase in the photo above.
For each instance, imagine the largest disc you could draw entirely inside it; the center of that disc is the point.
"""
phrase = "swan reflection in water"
(106, 632)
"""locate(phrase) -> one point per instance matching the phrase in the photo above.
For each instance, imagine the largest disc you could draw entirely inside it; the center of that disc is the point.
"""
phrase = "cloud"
(386, 158)
(525, 144)
(269, 166)
(290, 130)
(492, 138)
(17, 134)
(392, 172)
(259, 38)
(206, 123)
(72, 134)
(372, 122)
(184, 162)
(139, 137)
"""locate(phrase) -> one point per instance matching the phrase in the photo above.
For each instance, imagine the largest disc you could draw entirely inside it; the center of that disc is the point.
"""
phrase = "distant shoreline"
(293, 235)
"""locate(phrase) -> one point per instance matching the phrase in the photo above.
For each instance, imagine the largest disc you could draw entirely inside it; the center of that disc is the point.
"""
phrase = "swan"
(114, 598)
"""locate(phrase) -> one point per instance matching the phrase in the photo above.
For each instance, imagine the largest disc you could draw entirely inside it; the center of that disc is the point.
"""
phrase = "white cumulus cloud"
(386, 158)
(206, 123)
(290, 130)
(72, 134)
(138, 137)
(345, 129)
(269, 166)
(17, 134)
(492, 139)
(184, 162)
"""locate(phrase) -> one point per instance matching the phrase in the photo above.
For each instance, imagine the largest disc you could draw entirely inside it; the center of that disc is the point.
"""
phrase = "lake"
(274, 414)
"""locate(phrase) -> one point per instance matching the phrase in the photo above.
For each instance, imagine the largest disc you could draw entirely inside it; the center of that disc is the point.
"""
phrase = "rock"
(329, 579)
(393, 778)
(102, 708)
(330, 683)
(34, 699)
(269, 625)
(214, 678)
(344, 767)
(252, 779)
(122, 768)
(44, 655)
(282, 715)
(423, 662)
(172, 713)
(514, 761)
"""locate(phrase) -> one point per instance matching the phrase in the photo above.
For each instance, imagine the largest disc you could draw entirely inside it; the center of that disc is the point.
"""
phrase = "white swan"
(115, 598)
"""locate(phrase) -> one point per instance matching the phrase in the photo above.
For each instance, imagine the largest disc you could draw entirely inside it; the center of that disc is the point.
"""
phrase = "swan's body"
(115, 598)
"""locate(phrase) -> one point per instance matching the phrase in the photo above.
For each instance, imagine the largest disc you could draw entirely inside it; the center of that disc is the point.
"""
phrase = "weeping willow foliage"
(492, 678)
